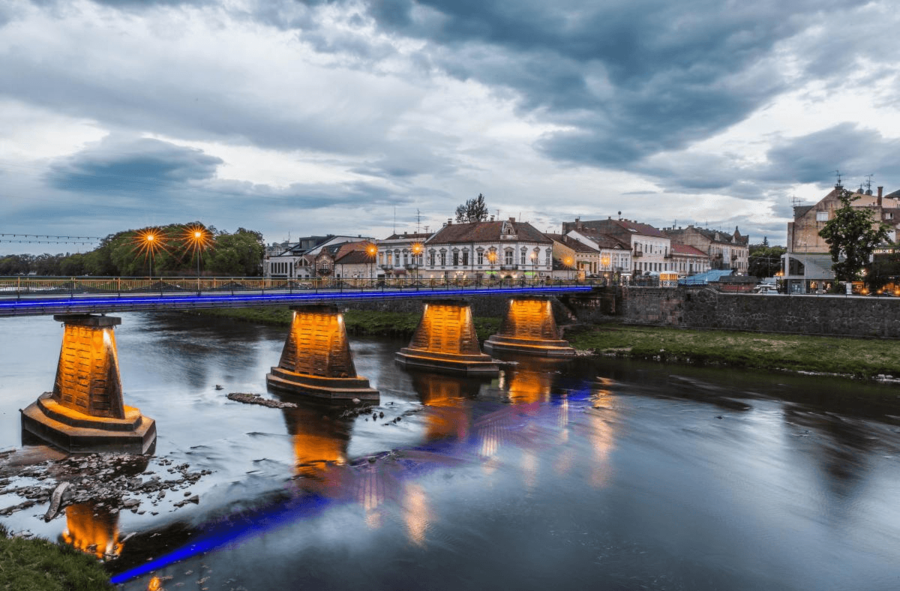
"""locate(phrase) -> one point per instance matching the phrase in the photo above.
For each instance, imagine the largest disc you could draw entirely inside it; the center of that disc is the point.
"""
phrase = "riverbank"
(851, 357)
(40, 565)
(358, 322)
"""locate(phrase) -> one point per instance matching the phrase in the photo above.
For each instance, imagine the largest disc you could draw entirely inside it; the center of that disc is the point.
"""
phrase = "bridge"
(85, 411)
(25, 296)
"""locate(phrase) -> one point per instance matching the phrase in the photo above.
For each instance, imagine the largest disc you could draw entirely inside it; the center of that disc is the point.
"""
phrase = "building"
(301, 260)
(401, 254)
(593, 254)
(354, 260)
(476, 250)
(807, 262)
(688, 260)
(650, 249)
(724, 250)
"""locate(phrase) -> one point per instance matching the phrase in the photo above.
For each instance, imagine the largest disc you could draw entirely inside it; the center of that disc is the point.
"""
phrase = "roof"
(687, 250)
(410, 236)
(354, 257)
(643, 229)
(705, 278)
(712, 235)
(486, 232)
(604, 240)
(575, 245)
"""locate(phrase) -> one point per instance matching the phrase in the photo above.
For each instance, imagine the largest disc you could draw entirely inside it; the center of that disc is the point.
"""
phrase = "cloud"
(128, 165)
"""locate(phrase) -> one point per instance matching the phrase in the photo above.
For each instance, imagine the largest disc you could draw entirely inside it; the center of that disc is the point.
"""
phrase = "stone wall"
(815, 315)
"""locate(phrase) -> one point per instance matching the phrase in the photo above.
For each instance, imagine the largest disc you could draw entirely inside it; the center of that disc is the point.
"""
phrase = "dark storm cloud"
(853, 150)
(632, 78)
(131, 165)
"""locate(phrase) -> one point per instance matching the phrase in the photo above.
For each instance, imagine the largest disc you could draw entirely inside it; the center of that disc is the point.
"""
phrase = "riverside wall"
(705, 308)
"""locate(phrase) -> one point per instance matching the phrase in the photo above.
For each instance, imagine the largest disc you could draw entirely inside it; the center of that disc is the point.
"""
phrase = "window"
(480, 257)
(455, 258)
(508, 257)
(443, 258)
(522, 257)
(431, 258)
(548, 257)
(821, 216)
(465, 257)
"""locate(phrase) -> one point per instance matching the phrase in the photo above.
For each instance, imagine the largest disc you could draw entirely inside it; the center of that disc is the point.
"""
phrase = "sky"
(360, 117)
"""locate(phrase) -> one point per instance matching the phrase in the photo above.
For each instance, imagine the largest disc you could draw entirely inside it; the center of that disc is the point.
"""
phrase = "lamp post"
(568, 261)
(417, 251)
(199, 238)
(532, 267)
(372, 251)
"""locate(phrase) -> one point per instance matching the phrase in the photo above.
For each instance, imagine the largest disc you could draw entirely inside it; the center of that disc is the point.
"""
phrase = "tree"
(850, 234)
(765, 261)
(473, 210)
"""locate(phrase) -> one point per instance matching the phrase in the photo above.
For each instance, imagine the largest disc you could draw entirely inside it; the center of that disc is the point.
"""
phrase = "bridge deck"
(35, 304)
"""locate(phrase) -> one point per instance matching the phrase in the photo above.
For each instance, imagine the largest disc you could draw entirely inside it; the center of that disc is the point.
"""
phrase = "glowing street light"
(199, 239)
(372, 251)
(417, 251)
(148, 242)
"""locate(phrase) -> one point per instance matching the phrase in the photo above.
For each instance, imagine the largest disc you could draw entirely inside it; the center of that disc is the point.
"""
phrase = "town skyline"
(285, 117)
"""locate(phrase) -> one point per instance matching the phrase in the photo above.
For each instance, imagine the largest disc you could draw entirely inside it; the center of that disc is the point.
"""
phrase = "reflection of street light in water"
(416, 513)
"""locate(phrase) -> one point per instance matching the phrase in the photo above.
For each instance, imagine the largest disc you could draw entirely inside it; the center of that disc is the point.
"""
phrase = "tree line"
(127, 254)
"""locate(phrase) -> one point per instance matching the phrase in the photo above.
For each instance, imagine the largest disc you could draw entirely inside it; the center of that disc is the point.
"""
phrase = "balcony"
(509, 267)
(637, 254)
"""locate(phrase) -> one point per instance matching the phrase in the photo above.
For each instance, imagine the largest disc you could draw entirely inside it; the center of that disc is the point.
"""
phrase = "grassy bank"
(358, 322)
(39, 565)
(856, 357)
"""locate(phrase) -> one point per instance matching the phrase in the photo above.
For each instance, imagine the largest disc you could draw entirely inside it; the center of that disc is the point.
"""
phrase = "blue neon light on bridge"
(37, 306)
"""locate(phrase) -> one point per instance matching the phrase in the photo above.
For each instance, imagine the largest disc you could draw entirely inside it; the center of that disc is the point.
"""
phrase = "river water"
(597, 473)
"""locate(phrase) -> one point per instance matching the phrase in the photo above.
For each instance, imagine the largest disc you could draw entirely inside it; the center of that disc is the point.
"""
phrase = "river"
(597, 473)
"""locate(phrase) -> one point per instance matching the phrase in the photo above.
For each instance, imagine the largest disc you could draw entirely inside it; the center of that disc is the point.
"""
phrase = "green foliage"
(473, 210)
(765, 260)
(857, 357)
(39, 565)
(125, 254)
(850, 233)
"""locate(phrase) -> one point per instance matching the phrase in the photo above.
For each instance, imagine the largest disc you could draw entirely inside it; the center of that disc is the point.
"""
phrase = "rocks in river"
(109, 480)
(257, 399)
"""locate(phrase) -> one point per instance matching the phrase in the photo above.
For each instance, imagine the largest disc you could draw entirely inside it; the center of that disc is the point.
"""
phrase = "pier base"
(316, 359)
(85, 412)
(529, 329)
(445, 341)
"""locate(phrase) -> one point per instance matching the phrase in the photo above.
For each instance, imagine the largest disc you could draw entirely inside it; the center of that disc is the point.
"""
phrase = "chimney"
(492, 218)
(880, 193)
(449, 221)
(512, 220)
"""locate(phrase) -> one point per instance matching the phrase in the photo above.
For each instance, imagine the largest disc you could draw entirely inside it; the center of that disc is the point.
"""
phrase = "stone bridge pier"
(529, 329)
(316, 358)
(85, 411)
(445, 341)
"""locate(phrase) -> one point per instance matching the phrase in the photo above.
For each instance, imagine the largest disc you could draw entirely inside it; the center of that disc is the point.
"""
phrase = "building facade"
(308, 258)
(491, 249)
(807, 262)
(724, 251)
(650, 249)
(401, 254)
(597, 254)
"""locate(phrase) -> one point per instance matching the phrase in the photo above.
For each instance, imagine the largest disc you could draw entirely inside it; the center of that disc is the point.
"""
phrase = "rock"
(218, 387)
(56, 500)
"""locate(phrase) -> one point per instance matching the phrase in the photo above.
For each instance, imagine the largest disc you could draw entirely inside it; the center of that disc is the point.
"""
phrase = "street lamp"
(492, 256)
(148, 242)
(417, 251)
(372, 251)
(532, 266)
(568, 261)
(199, 239)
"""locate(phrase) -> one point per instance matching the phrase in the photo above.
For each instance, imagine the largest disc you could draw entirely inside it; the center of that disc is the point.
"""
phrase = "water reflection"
(416, 513)
(93, 528)
(320, 435)
(446, 397)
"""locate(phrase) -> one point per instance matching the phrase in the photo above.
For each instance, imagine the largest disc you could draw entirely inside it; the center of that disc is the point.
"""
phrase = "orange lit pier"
(85, 412)
(316, 359)
(529, 329)
(445, 340)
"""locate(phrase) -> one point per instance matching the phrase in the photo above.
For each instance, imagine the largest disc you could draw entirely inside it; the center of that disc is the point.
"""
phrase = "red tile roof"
(485, 232)
(604, 240)
(685, 249)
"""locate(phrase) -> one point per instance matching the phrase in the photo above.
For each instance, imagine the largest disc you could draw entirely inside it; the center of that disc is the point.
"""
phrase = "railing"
(27, 286)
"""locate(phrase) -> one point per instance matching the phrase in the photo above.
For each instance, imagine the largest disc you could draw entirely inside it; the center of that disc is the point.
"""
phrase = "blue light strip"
(116, 303)
(287, 512)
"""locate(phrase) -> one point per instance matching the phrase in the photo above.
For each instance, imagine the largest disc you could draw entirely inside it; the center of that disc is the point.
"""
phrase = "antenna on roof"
(837, 173)
(795, 202)
(869, 184)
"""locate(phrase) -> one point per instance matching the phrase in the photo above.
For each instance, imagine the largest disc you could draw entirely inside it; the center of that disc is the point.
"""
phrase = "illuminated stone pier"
(445, 340)
(316, 359)
(85, 411)
(529, 329)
